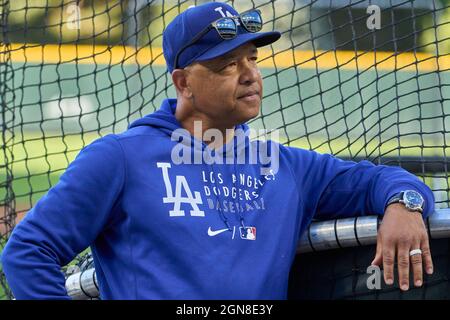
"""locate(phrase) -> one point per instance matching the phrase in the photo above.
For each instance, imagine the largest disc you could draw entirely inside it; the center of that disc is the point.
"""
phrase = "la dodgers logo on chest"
(232, 193)
(240, 195)
(177, 199)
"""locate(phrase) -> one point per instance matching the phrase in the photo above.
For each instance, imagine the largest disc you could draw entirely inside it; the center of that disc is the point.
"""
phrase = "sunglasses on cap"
(227, 28)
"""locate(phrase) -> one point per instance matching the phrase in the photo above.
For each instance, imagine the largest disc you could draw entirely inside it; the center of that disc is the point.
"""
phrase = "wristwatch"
(412, 200)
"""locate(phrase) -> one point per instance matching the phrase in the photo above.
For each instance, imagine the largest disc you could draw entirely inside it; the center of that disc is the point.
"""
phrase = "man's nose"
(249, 72)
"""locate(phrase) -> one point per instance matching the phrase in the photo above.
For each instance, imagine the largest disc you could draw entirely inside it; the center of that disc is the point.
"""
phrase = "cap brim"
(260, 39)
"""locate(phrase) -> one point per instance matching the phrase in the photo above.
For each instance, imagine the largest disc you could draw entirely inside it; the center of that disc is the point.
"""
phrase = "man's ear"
(180, 80)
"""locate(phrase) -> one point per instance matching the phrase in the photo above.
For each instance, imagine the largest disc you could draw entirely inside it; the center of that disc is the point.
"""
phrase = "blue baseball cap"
(191, 22)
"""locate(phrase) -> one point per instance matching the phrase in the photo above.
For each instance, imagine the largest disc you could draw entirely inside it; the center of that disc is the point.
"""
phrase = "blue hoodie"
(160, 230)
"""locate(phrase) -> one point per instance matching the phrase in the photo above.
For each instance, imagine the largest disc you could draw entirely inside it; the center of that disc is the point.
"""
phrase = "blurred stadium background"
(72, 71)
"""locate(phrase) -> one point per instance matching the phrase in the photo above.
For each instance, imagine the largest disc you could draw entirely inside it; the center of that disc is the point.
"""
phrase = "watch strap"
(395, 198)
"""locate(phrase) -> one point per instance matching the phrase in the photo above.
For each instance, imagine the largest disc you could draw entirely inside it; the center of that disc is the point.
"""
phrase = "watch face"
(413, 199)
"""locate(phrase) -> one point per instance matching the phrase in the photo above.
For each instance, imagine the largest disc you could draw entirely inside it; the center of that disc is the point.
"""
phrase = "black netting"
(72, 71)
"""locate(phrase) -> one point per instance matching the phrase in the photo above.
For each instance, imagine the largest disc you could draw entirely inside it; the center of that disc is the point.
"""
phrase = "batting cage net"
(357, 79)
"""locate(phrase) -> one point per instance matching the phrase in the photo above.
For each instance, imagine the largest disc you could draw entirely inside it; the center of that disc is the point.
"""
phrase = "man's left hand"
(400, 232)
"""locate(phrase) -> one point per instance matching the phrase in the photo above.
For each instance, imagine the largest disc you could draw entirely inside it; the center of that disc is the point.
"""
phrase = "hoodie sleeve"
(64, 222)
(334, 188)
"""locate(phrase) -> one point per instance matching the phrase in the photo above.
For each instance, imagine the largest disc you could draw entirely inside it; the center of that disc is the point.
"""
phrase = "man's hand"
(400, 232)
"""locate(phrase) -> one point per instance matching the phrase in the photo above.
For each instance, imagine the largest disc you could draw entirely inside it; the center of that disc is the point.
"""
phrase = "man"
(164, 225)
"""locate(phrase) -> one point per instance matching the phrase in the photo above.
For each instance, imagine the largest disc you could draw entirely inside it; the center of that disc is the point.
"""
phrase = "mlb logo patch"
(248, 233)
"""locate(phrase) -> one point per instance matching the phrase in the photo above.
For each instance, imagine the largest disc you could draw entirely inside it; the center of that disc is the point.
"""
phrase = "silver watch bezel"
(407, 203)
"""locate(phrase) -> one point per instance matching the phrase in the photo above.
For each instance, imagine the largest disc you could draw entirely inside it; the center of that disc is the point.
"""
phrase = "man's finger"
(416, 262)
(378, 255)
(426, 256)
(388, 255)
(403, 267)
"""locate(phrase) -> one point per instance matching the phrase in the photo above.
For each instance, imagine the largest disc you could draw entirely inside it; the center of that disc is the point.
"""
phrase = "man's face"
(227, 89)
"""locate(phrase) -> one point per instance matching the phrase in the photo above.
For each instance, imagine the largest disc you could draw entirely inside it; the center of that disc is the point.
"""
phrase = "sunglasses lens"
(227, 28)
(252, 21)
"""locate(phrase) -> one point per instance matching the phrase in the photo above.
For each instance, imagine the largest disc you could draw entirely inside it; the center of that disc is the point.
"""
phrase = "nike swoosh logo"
(212, 233)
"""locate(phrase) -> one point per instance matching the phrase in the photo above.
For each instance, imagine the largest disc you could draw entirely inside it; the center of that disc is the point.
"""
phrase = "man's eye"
(229, 65)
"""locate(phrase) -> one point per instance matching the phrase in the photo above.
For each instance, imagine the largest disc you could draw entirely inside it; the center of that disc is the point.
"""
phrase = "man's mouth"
(251, 95)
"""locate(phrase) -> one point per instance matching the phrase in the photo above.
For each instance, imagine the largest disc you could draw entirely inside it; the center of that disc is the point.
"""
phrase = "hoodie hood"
(164, 118)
